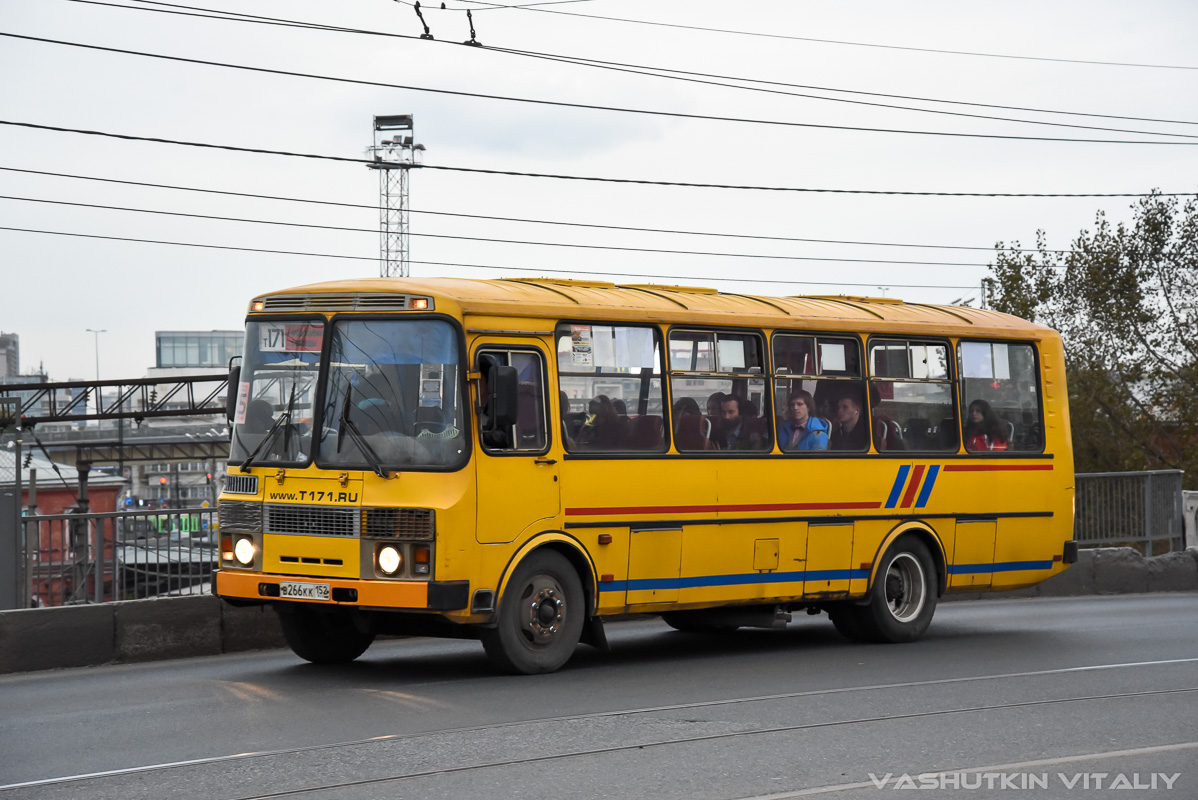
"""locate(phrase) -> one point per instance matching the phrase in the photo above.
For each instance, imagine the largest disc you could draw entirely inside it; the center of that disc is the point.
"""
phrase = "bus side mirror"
(232, 391)
(502, 387)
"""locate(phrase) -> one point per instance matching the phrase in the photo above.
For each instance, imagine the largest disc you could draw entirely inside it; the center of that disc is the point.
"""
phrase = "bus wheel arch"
(901, 599)
(544, 609)
(931, 541)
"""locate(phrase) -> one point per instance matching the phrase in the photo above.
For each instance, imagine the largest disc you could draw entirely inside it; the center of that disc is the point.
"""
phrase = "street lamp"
(97, 335)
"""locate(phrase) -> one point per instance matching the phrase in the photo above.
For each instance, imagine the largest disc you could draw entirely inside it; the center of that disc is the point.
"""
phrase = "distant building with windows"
(186, 483)
(196, 350)
(10, 355)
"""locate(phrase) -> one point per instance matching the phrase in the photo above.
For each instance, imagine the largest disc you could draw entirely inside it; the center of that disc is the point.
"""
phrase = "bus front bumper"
(400, 595)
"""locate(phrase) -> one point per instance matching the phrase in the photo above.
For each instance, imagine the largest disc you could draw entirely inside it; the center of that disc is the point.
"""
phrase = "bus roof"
(559, 298)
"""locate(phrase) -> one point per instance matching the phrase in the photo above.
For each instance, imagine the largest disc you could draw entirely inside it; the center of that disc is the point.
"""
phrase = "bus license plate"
(304, 591)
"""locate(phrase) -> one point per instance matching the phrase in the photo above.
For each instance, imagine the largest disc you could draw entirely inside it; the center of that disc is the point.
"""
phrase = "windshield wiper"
(346, 424)
(285, 417)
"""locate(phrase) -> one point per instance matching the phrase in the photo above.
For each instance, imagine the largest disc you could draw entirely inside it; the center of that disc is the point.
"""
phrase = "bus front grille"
(400, 523)
(311, 520)
(235, 515)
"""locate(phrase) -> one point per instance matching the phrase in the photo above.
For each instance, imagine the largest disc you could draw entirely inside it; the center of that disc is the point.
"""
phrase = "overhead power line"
(500, 267)
(614, 109)
(593, 178)
(491, 240)
(526, 220)
(652, 71)
(787, 37)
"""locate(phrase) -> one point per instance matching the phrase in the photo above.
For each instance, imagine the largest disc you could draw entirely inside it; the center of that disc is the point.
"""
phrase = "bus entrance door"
(518, 467)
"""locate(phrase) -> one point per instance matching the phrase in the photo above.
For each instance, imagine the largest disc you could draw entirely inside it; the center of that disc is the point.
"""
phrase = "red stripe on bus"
(588, 512)
(995, 467)
(913, 486)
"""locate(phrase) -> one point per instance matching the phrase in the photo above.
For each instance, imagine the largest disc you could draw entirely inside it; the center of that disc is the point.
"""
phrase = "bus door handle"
(545, 461)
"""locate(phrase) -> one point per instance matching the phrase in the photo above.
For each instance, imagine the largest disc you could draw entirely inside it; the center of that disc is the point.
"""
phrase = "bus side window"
(1000, 382)
(611, 388)
(529, 433)
(911, 396)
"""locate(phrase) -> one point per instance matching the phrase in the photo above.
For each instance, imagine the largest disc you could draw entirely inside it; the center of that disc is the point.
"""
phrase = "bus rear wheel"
(540, 616)
(323, 635)
(903, 597)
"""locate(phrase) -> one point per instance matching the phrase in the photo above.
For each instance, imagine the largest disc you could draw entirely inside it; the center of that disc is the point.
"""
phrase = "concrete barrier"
(180, 627)
(132, 630)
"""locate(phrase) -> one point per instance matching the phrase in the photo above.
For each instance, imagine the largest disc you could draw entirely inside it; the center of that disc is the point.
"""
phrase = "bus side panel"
(636, 496)
(829, 559)
(868, 536)
(740, 563)
(1024, 552)
(972, 565)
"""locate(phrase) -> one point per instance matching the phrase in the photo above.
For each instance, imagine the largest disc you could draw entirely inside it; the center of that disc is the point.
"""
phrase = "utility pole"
(395, 152)
(97, 335)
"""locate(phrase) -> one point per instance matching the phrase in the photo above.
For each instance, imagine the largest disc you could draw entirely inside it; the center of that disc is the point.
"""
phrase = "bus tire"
(540, 617)
(903, 597)
(323, 636)
(846, 618)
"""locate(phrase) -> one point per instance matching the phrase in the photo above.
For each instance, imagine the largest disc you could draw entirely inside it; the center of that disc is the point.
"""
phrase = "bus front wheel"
(903, 597)
(540, 617)
(323, 636)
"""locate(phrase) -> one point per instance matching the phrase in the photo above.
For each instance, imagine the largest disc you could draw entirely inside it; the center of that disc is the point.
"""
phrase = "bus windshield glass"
(392, 399)
(276, 396)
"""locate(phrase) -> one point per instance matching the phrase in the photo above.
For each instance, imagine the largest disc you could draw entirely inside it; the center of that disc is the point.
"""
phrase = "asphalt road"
(1035, 697)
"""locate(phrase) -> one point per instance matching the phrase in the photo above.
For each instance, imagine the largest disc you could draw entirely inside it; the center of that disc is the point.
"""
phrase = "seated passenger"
(983, 429)
(737, 431)
(848, 432)
(603, 429)
(802, 430)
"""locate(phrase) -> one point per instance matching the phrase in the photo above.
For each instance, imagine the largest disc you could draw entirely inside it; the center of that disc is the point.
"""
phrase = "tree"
(1125, 299)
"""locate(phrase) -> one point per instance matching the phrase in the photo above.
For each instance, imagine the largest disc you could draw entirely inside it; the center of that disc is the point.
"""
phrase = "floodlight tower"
(394, 152)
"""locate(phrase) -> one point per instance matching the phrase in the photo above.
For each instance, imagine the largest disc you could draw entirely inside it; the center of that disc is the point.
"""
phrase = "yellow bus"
(516, 460)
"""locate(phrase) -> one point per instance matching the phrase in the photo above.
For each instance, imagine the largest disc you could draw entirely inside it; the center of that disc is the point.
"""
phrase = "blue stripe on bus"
(1002, 566)
(700, 581)
(897, 490)
(928, 482)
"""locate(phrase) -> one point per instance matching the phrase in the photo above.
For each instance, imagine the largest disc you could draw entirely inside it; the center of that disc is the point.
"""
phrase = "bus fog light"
(244, 551)
(389, 560)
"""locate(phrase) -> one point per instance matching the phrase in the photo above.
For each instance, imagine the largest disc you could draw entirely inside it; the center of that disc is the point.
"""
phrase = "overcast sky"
(56, 287)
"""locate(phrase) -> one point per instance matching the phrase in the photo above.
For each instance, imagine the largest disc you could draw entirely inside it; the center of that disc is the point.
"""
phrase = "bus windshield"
(392, 398)
(275, 400)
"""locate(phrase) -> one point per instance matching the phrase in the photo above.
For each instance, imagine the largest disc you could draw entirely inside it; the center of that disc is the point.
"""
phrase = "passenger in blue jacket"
(802, 430)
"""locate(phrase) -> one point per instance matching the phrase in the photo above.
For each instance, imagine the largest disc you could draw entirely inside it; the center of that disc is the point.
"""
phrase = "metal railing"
(1139, 509)
(122, 555)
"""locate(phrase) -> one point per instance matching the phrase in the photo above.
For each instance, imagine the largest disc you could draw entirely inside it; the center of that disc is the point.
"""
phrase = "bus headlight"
(389, 559)
(244, 551)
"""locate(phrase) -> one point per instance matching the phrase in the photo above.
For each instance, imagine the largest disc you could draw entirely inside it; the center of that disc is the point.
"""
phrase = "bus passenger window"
(911, 396)
(1000, 392)
(819, 394)
(721, 374)
(611, 390)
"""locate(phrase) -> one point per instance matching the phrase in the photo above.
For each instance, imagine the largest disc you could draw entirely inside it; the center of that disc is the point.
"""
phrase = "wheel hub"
(906, 587)
(546, 613)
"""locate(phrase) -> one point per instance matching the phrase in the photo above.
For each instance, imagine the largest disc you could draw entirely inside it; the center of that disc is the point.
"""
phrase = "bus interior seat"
(918, 431)
(646, 433)
(948, 434)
